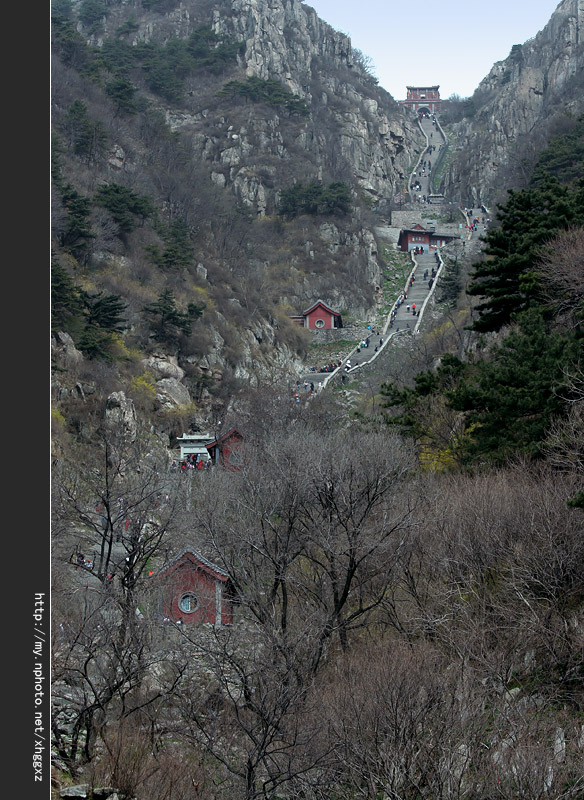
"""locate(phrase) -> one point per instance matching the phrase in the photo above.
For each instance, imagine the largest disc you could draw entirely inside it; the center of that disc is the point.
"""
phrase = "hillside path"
(427, 267)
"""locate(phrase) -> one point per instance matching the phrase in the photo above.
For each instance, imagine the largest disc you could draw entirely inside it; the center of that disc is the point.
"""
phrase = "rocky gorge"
(215, 163)
(218, 168)
(382, 585)
(516, 108)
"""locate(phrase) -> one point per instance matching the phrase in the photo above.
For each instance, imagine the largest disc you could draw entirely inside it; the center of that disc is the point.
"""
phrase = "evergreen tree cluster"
(164, 67)
(124, 205)
(270, 92)
(507, 281)
(503, 404)
(177, 251)
(314, 198)
(563, 158)
(92, 320)
(86, 136)
(76, 233)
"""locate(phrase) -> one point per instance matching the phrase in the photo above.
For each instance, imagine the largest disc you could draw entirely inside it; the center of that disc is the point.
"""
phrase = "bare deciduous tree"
(561, 269)
(308, 531)
(113, 513)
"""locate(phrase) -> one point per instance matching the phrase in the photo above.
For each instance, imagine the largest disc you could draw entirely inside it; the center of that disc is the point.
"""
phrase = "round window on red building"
(319, 323)
(188, 602)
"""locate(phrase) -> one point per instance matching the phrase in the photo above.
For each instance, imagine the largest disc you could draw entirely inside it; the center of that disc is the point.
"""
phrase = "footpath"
(418, 293)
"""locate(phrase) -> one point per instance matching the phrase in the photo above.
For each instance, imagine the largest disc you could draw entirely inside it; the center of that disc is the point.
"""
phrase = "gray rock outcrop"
(120, 416)
(355, 132)
(517, 106)
(64, 353)
(83, 790)
(316, 63)
(79, 790)
(171, 393)
(164, 367)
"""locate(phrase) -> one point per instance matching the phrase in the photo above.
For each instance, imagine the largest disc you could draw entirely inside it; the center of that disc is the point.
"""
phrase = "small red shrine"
(418, 236)
(195, 591)
(225, 449)
(320, 316)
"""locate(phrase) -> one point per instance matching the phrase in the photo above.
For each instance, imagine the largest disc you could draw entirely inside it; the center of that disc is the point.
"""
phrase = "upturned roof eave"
(216, 571)
(324, 305)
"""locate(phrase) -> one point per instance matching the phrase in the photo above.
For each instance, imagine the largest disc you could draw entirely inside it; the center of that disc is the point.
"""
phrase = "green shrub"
(270, 92)
(314, 198)
(124, 205)
(142, 389)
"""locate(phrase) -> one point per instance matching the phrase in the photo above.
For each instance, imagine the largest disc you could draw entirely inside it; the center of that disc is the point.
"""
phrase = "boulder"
(164, 367)
(171, 393)
(120, 416)
(64, 352)
(80, 790)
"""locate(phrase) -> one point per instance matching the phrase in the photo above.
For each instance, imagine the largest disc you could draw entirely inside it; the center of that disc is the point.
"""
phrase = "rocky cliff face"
(517, 106)
(364, 129)
(288, 39)
(223, 175)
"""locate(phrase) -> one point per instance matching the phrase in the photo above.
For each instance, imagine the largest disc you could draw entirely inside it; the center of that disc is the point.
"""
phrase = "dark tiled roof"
(324, 305)
(198, 557)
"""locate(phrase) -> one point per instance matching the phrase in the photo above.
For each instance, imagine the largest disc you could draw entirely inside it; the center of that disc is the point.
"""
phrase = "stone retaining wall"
(351, 332)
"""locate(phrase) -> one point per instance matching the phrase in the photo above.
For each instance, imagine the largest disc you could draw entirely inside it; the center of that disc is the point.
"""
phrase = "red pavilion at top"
(422, 98)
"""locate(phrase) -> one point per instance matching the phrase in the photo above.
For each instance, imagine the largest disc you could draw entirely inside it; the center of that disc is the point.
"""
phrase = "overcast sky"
(451, 43)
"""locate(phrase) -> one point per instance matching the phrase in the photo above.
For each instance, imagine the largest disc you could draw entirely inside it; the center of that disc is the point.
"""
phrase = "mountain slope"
(177, 129)
(523, 101)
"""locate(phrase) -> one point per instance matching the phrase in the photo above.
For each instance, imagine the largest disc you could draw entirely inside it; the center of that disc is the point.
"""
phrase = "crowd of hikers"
(191, 461)
(330, 367)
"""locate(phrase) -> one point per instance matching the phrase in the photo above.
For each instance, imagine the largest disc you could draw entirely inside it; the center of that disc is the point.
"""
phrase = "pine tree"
(77, 234)
(178, 250)
(336, 198)
(167, 322)
(66, 301)
(563, 157)
(507, 279)
(103, 320)
(88, 137)
(510, 398)
(105, 311)
(314, 199)
(122, 91)
(124, 204)
(91, 14)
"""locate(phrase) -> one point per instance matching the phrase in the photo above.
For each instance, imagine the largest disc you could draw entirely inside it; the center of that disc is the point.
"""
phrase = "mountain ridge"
(178, 127)
(517, 107)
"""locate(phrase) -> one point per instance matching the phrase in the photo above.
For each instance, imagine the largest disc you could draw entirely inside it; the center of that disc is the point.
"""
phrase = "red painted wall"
(412, 240)
(319, 313)
(186, 577)
(226, 447)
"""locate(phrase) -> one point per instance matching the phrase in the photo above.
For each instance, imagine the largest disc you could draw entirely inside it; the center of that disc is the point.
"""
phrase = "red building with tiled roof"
(194, 591)
(225, 449)
(320, 316)
(418, 236)
(422, 97)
